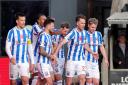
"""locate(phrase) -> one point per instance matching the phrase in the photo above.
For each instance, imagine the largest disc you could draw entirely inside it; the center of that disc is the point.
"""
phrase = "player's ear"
(16, 21)
(77, 23)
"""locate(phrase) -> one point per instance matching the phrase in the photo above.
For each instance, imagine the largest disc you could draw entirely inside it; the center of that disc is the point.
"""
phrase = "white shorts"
(92, 70)
(18, 70)
(75, 66)
(44, 70)
(59, 67)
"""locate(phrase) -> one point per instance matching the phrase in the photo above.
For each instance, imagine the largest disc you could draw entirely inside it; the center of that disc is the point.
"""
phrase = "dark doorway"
(8, 10)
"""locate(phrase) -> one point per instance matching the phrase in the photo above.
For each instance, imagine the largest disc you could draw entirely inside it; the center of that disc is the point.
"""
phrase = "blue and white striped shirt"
(94, 40)
(36, 29)
(45, 41)
(76, 49)
(56, 40)
(19, 40)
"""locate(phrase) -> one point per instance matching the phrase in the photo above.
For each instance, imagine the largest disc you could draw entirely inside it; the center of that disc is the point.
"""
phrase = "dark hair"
(19, 14)
(80, 17)
(93, 21)
(121, 34)
(48, 21)
(64, 25)
(39, 15)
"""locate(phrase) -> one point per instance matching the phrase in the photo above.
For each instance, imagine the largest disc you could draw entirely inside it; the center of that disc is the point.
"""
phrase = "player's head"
(80, 22)
(92, 24)
(49, 24)
(20, 19)
(65, 28)
(40, 19)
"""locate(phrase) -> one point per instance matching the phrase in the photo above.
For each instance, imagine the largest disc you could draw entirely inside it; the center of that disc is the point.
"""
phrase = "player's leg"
(89, 81)
(25, 80)
(95, 81)
(40, 81)
(96, 75)
(12, 82)
(58, 71)
(49, 81)
(58, 79)
(89, 73)
(46, 73)
(70, 71)
(13, 74)
(35, 76)
(24, 73)
(81, 71)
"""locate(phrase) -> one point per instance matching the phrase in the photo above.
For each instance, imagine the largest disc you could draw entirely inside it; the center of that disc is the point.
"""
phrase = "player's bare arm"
(95, 55)
(102, 49)
(44, 53)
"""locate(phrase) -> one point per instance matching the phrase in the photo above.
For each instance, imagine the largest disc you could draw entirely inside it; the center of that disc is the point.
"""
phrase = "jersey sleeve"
(41, 40)
(70, 36)
(100, 39)
(37, 30)
(30, 49)
(10, 36)
(29, 41)
(9, 41)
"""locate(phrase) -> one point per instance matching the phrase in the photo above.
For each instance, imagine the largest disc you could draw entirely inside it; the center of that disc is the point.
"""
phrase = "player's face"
(65, 30)
(92, 27)
(41, 20)
(122, 39)
(81, 24)
(51, 27)
(21, 22)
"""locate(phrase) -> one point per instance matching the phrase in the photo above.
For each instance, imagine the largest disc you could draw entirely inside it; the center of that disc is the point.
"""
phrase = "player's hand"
(53, 59)
(95, 55)
(31, 68)
(13, 61)
(106, 62)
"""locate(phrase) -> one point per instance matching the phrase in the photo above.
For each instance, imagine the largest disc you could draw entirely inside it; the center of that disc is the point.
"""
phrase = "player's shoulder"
(27, 30)
(35, 24)
(12, 30)
(42, 34)
(73, 30)
(98, 32)
(84, 31)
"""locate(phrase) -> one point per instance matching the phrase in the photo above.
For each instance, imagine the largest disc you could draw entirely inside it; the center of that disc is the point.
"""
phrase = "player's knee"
(96, 82)
(89, 80)
(58, 77)
(13, 82)
(25, 80)
(49, 81)
(82, 78)
(68, 80)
